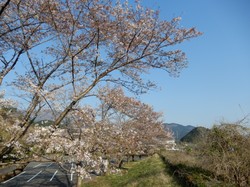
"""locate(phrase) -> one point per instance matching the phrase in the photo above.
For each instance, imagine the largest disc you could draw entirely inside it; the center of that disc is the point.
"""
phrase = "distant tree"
(226, 152)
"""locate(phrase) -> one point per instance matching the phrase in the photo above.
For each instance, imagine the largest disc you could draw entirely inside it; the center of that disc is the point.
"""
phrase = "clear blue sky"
(216, 85)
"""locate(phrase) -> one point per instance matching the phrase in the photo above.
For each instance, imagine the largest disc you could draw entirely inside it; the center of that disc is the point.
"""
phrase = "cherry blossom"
(74, 50)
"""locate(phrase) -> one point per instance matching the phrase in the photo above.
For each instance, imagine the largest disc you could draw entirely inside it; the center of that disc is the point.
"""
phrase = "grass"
(148, 172)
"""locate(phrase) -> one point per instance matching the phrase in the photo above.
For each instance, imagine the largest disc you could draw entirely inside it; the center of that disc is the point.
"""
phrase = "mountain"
(195, 135)
(178, 129)
(46, 114)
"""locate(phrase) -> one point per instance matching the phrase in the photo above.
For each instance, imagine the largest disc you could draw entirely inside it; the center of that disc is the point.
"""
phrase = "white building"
(171, 145)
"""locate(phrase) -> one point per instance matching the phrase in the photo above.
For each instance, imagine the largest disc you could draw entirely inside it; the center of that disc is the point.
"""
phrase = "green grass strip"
(148, 172)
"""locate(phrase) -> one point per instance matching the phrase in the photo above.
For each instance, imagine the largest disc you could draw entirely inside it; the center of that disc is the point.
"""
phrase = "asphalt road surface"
(43, 174)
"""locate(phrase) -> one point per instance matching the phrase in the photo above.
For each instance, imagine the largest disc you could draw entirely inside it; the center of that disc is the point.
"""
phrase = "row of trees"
(118, 128)
(60, 53)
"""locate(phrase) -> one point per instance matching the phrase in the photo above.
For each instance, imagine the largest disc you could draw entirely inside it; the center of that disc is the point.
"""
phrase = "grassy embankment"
(148, 172)
(171, 169)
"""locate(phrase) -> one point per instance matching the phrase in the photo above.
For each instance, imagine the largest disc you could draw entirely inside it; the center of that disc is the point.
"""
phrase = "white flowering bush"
(6, 103)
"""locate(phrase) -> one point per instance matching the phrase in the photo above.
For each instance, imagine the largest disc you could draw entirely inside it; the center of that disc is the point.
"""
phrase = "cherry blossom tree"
(85, 45)
(138, 127)
(120, 126)
(9, 120)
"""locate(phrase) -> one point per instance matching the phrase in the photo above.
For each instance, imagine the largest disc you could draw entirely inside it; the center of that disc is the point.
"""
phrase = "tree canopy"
(71, 50)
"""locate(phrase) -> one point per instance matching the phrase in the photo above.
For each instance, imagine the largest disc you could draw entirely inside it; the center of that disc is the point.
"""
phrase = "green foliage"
(196, 135)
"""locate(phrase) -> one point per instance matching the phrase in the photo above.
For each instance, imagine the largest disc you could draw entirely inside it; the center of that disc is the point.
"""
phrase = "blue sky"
(216, 85)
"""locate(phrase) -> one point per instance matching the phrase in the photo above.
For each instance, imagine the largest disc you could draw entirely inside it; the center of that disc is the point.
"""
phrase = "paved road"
(47, 174)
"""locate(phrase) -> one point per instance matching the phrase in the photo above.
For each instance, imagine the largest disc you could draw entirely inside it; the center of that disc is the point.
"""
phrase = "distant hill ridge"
(179, 130)
(195, 135)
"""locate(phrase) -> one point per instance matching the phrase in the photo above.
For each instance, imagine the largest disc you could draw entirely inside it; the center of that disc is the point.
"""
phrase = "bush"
(225, 151)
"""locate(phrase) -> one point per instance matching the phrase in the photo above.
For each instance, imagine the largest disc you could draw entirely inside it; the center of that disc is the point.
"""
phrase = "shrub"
(225, 151)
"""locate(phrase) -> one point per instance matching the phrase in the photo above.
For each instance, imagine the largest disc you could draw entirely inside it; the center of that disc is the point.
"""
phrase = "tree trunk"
(5, 150)
(79, 182)
(120, 164)
(73, 103)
